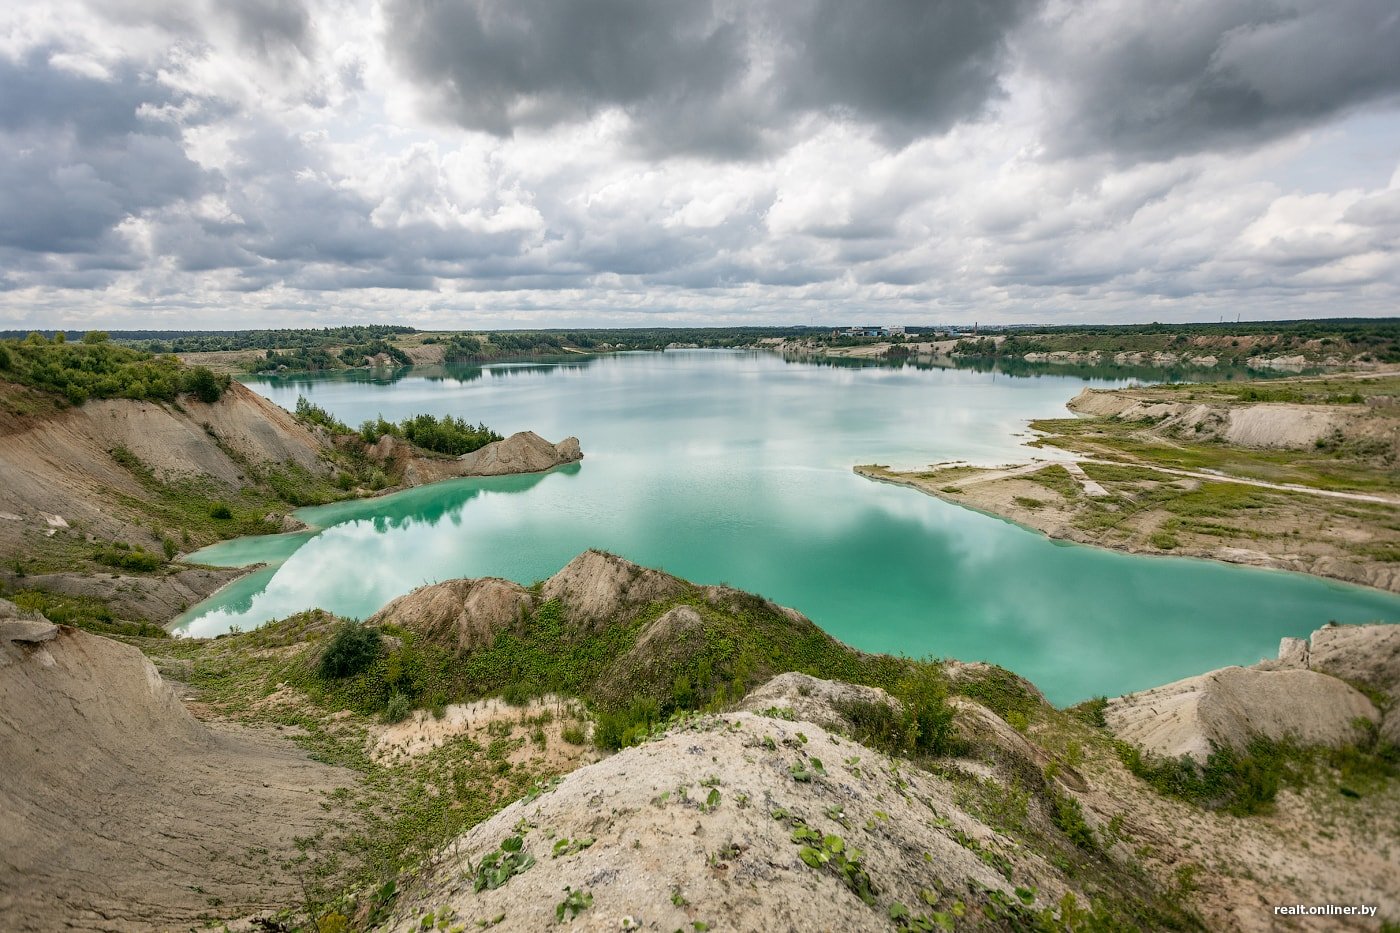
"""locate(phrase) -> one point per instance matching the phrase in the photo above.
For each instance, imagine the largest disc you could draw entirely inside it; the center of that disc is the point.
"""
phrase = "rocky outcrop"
(1261, 425)
(524, 452)
(466, 613)
(812, 699)
(1365, 655)
(115, 796)
(1230, 707)
(597, 588)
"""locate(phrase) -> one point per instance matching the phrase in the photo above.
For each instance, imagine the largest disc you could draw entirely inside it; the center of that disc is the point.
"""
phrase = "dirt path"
(1090, 487)
(1212, 477)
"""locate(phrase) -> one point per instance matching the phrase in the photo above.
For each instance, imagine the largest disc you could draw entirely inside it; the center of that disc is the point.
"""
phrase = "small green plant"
(398, 708)
(829, 852)
(573, 904)
(503, 864)
(1068, 815)
(220, 511)
(565, 846)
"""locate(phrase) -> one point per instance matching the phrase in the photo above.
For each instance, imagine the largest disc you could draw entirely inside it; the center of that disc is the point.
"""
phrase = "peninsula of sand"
(1298, 474)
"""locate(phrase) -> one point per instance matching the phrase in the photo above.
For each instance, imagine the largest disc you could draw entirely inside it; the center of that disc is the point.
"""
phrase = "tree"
(203, 384)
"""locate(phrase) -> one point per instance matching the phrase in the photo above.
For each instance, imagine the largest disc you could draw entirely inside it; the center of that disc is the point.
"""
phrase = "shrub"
(353, 648)
(445, 435)
(315, 414)
(620, 729)
(220, 511)
(203, 384)
(126, 558)
(1239, 783)
(922, 723)
(398, 708)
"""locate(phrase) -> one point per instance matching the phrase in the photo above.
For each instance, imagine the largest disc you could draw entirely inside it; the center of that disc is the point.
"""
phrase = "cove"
(735, 467)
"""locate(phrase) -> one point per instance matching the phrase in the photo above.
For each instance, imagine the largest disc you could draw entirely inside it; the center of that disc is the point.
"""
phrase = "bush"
(315, 414)
(1240, 784)
(220, 511)
(620, 729)
(353, 648)
(125, 558)
(398, 708)
(204, 385)
(445, 435)
(921, 724)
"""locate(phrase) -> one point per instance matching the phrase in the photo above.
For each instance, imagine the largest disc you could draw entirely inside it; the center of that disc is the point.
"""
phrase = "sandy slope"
(119, 810)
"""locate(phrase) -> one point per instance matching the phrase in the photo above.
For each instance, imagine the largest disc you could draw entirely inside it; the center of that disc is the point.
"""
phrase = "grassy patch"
(85, 612)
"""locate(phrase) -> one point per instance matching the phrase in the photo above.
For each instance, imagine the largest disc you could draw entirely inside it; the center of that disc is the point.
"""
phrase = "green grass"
(1247, 783)
(85, 612)
(1057, 479)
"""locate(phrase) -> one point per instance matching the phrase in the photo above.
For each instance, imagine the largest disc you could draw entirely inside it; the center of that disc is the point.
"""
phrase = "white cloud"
(255, 164)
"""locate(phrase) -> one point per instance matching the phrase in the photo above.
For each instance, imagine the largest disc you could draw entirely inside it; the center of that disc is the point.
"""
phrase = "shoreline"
(248, 569)
(1064, 532)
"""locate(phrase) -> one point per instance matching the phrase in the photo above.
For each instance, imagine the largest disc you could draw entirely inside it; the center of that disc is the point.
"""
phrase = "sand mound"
(525, 452)
(812, 699)
(1290, 427)
(62, 465)
(1231, 706)
(1368, 655)
(597, 588)
(696, 829)
(115, 798)
(468, 613)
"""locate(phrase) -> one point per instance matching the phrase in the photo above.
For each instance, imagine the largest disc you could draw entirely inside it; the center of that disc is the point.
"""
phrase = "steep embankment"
(58, 469)
(120, 811)
(97, 500)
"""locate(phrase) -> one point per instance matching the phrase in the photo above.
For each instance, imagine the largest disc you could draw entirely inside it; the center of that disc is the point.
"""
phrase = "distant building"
(865, 331)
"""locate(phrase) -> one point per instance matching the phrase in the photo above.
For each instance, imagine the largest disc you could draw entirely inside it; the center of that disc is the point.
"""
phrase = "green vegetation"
(1368, 340)
(315, 414)
(353, 648)
(920, 726)
(742, 644)
(95, 368)
(85, 612)
(445, 435)
(1244, 783)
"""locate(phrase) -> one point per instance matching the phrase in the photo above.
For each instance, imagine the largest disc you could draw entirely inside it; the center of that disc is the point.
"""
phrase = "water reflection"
(736, 467)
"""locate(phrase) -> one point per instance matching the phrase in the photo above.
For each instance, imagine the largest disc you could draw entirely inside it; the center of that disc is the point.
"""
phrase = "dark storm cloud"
(268, 28)
(78, 156)
(698, 78)
(907, 66)
(1160, 81)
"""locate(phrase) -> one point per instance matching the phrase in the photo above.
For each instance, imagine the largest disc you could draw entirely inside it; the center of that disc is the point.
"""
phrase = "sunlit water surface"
(736, 467)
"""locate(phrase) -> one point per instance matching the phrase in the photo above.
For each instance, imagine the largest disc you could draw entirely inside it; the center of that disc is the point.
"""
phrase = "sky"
(519, 163)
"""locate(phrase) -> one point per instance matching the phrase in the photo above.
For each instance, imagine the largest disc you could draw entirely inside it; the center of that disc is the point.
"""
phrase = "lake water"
(735, 467)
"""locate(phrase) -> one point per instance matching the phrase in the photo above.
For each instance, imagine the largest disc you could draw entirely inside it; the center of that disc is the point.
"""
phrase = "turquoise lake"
(735, 467)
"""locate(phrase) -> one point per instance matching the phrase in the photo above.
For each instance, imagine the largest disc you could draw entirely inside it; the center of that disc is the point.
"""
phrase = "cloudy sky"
(508, 163)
